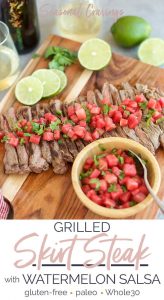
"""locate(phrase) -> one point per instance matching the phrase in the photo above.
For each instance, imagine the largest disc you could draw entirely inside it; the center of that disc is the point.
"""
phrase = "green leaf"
(97, 182)
(35, 126)
(54, 125)
(121, 160)
(85, 174)
(59, 112)
(132, 203)
(112, 188)
(124, 107)
(160, 120)
(53, 64)
(36, 55)
(122, 175)
(127, 113)
(50, 52)
(88, 114)
(103, 173)
(124, 188)
(143, 105)
(65, 136)
(95, 158)
(102, 148)
(27, 134)
(114, 150)
(4, 139)
(60, 142)
(106, 109)
(22, 141)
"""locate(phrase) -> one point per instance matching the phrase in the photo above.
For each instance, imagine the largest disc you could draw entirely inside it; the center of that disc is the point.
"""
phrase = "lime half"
(29, 90)
(63, 79)
(49, 80)
(151, 51)
(94, 54)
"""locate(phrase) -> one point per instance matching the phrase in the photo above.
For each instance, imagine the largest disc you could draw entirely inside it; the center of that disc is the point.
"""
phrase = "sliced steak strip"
(58, 163)
(106, 94)
(115, 95)
(23, 156)
(117, 101)
(142, 135)
(71, 145)
(56, 105)
(37, 163)
(129, 132)
(11, 162)
(99, 97)
(45, 149)
(153, 131)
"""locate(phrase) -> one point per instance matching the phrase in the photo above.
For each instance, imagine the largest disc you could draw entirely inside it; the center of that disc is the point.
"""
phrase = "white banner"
(81, 260)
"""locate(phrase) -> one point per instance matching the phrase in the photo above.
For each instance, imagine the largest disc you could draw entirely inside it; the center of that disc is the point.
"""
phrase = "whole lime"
(129, 31)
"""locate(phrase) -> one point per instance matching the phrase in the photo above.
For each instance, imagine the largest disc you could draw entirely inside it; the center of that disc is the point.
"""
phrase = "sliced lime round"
(49, 80)
(94, 54)
(63, 79)
(29, 90)
(151, 51)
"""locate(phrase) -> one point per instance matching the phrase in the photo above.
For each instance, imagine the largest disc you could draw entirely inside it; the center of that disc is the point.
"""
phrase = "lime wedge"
(49, 80)
(29, 90)
(94, 54)
(63, 79)
(151, 51)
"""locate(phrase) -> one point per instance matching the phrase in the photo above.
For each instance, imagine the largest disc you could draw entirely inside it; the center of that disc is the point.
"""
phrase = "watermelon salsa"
(112, 180)
(87, 122)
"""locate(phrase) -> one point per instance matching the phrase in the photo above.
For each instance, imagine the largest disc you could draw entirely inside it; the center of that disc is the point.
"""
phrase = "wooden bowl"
(109, 144)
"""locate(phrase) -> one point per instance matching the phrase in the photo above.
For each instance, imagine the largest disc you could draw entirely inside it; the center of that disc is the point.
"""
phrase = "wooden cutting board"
(49, 196)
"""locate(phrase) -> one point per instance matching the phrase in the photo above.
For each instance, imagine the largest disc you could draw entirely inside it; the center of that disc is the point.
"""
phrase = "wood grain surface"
(50, 196)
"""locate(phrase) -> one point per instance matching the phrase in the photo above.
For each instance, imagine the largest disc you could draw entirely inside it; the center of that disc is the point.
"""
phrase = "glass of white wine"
(77, 19)
(9, 59)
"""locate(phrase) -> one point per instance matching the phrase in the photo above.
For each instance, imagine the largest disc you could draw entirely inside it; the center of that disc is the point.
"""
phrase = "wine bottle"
(22, 20)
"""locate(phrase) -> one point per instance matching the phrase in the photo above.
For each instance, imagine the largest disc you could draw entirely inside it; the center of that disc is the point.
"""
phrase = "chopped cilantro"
(160, 120)
(102, 148)
(60, 142)
(22, 141)
(123, 106)
(27, 134)
(60, 57)
(149, 116)
(112, 188)
(114, 150)
(103, 173)
(65, 136)
(85, 174)
(59, 112)
(124, 188)
(35, 127)
(127, 113)
(132, 203)
(122, 175)
(121, 160)
(143, 105)
(88, 114)
(54, 125)
(97, 157)
(4, 139)
(106, 108)
(70, 122)
(97, 182)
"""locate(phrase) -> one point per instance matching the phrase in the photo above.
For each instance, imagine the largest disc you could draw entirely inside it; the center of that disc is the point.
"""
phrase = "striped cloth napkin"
(4, 208)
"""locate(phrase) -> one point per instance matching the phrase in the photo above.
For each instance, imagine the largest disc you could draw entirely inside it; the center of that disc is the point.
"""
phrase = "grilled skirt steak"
(37, 158)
